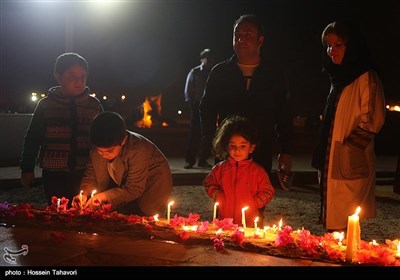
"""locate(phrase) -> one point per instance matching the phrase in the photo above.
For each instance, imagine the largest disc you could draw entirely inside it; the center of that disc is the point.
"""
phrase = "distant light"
(392, 108)
(34, 97)
(179, 112)
(123, 97)
(104, 97)
(93, 94)
(43, 95)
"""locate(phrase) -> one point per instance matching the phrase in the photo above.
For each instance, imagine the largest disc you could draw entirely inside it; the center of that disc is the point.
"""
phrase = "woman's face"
(336, 48)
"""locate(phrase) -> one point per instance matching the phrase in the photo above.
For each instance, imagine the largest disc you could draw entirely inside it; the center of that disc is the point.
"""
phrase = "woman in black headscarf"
(353, 115)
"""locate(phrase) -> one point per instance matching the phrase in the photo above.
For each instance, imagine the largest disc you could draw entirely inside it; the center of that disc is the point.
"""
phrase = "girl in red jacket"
(238, 181)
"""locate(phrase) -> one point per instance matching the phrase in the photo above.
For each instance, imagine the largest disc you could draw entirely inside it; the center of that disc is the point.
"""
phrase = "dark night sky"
(144, 47)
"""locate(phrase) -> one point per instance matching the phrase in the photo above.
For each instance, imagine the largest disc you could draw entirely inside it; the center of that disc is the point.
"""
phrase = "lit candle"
(169, 211)
(258, 233)
(215, 210)
(93, 192)
(58, 204)
(244, 217)
(255, 223)
(353, 235)
(280, 224)
(80, 199)
(155, 217)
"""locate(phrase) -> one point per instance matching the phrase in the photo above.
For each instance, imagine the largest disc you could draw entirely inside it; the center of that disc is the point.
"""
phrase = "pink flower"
(308, 242)
(238, 237)
(64, 202)
(203, 227)
(375, 254)
(225, 224)
(148, 227)
(106, 208)
(184, 235)
(182, 221)
(218, 244)
(135, 219)
(54, 200)
(284, 237)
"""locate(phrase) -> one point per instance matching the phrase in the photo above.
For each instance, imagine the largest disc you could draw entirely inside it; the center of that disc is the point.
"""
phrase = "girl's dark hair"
(107, 130)
(233, 125)
(67, 60)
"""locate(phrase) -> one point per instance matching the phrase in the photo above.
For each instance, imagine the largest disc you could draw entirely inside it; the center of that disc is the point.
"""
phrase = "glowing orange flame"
(151, 112)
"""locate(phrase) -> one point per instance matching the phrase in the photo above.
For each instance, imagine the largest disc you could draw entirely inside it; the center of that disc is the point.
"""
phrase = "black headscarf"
(356, 61)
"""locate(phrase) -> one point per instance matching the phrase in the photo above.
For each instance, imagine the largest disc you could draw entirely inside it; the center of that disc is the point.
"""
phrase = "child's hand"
(96, 200)
(76, 201)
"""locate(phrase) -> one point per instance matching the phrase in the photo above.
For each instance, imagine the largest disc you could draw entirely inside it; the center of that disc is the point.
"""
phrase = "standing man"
(194, 88)
(249, 85)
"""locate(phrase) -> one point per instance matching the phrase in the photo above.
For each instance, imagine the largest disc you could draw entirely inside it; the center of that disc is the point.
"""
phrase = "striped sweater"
(59, 129)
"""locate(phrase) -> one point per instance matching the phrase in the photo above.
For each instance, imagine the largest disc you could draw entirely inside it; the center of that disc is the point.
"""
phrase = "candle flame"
(194, 228)
(216, 204)
(245, 208)
(155, 217)
(170, 203)
(93, 192)
(81, 192)
(219, 231)
(374, 242)
(358, 210)
(280, 223)
(185, 228)
(256, 220)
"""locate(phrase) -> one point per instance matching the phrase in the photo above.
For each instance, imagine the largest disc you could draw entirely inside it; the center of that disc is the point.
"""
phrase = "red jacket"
(240, 184)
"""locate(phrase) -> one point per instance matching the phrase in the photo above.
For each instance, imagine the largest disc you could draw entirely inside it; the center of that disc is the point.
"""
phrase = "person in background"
(354, 113)
(238, 181)
(59, 128)
(250, 85)
(126, 169)
(194, 88)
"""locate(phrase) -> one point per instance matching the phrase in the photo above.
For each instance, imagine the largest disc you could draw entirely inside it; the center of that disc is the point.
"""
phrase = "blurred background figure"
(195, 83)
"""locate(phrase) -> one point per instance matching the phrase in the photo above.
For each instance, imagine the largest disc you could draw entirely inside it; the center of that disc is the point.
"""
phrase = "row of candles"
(353, 225)
(353, 238)
(215, 214)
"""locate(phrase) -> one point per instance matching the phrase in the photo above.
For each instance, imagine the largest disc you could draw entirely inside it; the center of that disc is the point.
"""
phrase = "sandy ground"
(298, 208)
